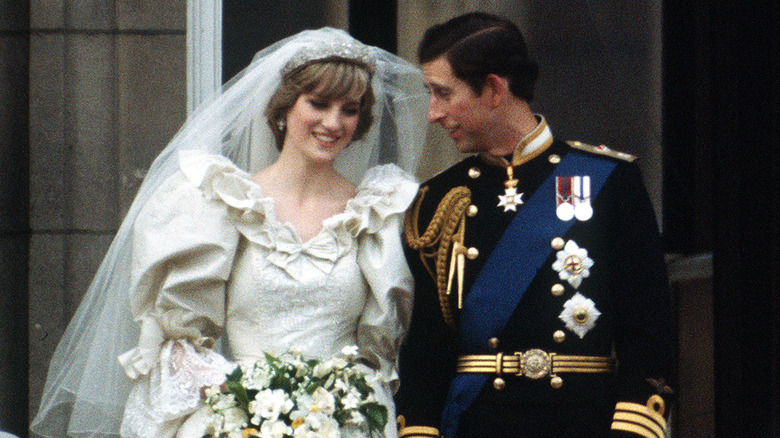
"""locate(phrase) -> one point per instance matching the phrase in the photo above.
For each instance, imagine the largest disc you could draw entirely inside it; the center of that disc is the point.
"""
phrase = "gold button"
(558, 243)
(474, 172)
(472, 253)
(554, 159)
(493, 343)
(556, 382)
(472, 211)
(557, 289)
(499, 383)
(559, 336)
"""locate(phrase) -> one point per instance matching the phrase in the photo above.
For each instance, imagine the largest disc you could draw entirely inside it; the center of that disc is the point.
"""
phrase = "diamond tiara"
(338, 49)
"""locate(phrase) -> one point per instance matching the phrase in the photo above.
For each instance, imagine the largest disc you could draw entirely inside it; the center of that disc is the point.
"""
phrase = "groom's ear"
(495, 89)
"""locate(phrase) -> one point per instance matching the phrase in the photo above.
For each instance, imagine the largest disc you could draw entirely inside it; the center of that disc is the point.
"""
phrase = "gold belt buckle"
(534, 364)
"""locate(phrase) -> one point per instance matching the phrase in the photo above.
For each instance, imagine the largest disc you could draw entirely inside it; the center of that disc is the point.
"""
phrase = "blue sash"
(508, 272)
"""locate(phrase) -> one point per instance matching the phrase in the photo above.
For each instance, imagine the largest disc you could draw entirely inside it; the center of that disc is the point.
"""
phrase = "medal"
(563, 198)
(565, 212)
(572, 198)
(510, 199)
(582, 209)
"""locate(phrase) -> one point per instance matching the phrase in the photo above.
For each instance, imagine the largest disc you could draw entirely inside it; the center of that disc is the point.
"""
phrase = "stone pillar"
(107, 92)
(14, 202)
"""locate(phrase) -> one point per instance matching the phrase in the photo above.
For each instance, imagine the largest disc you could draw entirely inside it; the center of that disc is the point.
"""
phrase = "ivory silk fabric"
(211, 258)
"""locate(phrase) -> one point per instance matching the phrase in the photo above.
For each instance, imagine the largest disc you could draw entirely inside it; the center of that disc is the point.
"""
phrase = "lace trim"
(160, 402)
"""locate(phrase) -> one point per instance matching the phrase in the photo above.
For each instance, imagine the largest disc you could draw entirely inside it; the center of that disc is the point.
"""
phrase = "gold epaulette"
(601, 150)
(445, 231)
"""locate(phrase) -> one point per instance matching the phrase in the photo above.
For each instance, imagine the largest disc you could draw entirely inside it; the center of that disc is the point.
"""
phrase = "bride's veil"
(86, 388)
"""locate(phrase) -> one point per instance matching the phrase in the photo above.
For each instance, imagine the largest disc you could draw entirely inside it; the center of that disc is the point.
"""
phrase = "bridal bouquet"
(293, 397)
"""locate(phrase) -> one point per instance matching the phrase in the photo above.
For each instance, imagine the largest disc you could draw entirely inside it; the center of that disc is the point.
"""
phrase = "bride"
(265, 226)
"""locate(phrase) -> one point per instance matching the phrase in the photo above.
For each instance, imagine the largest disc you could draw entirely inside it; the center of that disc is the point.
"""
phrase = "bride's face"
(319, 128)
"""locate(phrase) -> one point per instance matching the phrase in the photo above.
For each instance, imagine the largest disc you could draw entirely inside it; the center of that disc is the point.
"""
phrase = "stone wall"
(107, 91)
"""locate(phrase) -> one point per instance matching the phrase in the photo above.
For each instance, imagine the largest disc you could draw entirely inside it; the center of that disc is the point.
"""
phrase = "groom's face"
(456, 107)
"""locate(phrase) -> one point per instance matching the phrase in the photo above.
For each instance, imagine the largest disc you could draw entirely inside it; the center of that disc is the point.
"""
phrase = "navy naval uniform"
(573, 327)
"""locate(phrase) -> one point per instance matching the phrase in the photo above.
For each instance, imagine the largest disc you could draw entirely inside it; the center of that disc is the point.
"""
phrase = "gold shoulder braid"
(601, 150)
(445, 232)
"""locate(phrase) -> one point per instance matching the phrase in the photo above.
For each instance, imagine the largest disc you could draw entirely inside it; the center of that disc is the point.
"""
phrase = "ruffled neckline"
(385, 190)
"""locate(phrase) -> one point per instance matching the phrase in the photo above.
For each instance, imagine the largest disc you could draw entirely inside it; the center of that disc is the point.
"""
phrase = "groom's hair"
(477, 44)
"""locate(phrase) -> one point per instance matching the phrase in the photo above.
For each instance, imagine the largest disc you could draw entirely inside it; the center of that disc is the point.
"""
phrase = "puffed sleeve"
(184, 243)
(382, 200)
(183, 250)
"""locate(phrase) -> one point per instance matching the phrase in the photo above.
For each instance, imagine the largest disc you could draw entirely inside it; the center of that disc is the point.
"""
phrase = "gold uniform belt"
(534, 364)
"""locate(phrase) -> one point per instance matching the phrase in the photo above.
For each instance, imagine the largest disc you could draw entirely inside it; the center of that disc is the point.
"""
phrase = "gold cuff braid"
(418, 432)
(643, 420)
(405, 431)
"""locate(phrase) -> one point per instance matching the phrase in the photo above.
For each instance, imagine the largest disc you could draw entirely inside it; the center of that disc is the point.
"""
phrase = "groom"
(541, 302)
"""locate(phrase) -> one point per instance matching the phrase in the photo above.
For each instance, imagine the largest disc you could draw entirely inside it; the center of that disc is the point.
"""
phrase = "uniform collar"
(529, 147)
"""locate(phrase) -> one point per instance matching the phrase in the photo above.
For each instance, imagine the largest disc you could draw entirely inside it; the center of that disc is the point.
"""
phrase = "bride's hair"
(329, 79)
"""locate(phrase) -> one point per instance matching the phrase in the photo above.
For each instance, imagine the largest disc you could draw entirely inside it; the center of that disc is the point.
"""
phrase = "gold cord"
(436, 241)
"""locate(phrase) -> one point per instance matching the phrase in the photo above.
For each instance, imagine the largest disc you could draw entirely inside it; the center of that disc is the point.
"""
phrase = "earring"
(281, 124)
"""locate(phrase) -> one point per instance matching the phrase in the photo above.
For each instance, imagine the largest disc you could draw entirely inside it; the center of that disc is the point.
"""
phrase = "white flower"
(314, 420)
(356, 418)
(323, 402)
(275, 429)
(329, 428)
(573, 264)
(269, 404)
(223, 401)
(322, 369)
(212, 391)
(304, 432)
(235, 419)
(341, 385)
(315, 425)
(350, 351)
(294, 411)
(256, 376)
(351, 401)
(579, 314)
(339, 363)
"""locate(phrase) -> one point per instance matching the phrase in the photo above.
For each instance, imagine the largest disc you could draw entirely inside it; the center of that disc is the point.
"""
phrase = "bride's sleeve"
(183, 250)
(386, 315)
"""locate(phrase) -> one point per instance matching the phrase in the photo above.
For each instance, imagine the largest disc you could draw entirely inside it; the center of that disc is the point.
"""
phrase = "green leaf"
(360, 383)
(236, 375)
(376, 415)
(240, 392)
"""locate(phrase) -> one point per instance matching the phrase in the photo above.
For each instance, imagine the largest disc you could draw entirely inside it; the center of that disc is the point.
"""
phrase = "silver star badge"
(510, 199)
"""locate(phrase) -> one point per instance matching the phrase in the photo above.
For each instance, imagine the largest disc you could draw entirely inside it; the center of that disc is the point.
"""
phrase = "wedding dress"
(212, 254)
(211, 251)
